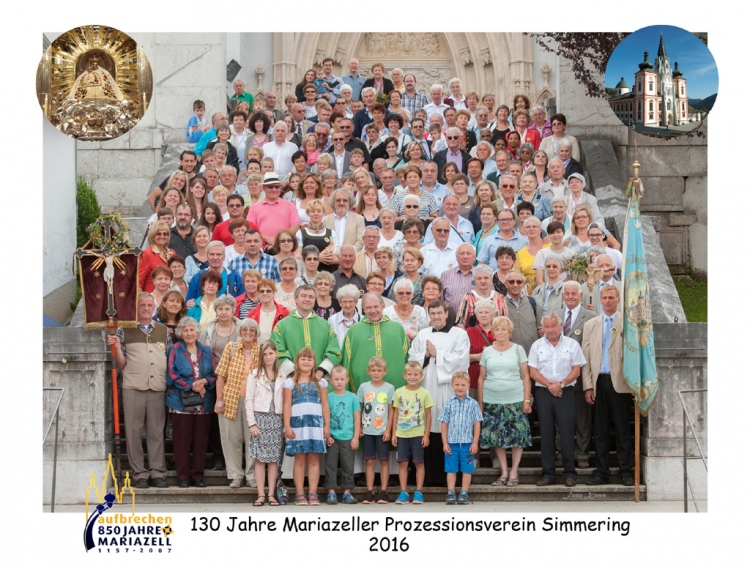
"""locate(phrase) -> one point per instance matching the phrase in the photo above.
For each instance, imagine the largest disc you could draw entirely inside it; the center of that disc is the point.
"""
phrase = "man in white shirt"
(280, 151)
(554, 364)
(461, 229)
(436, 105)
(440, 255)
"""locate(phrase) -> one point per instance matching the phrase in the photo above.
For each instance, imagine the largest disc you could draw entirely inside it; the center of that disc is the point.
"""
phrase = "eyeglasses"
(597, 235)
(210, 283)
(344, 127)
(452, 137)
(162, 234)
(442, 230)
(339, 139)
(514, 282)
(411, 207)
(235, 205)
(405, 293)
(288, 268)
(505, 219)
(266, 291)
(311, 259)
(286, 241)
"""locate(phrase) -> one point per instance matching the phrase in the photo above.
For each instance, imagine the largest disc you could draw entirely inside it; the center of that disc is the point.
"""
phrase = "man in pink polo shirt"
(272, 214)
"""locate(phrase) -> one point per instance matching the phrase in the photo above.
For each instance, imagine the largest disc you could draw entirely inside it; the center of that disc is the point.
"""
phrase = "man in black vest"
(141, 354)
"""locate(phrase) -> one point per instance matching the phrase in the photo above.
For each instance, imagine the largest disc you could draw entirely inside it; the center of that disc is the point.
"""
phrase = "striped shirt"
(427, 204)
(460, 414)
(456, 284)
(267, 266)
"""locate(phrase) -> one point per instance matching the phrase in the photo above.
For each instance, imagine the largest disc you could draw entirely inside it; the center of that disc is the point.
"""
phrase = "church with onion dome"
(658, 97)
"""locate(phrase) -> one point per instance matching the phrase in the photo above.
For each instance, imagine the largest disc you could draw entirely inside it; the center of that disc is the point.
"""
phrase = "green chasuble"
(366, 340)
(293, 333)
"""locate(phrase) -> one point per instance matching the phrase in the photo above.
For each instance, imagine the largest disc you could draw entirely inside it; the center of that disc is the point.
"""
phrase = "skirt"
(269, 444)
(505, 426)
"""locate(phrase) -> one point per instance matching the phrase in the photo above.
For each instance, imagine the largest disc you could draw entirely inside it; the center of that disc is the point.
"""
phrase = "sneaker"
(463, 498)
(349, 499)
(450, 498)
(369, 497)
(332, 499)
(383, 497)
(418, 498)
(236, 483)
(403, 498)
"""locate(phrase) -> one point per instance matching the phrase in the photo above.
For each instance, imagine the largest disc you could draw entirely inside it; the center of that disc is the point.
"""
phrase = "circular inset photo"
(94, 83)
(662, 81)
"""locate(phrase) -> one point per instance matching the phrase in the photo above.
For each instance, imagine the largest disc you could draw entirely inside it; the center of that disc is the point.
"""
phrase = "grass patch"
(694, 298)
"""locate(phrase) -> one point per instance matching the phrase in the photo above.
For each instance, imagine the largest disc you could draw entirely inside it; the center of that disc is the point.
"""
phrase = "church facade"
(658, 97)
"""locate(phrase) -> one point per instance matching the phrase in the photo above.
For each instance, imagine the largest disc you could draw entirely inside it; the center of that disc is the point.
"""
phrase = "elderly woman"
(549, 295)
(525, 257)
(325, 162)
(268, 313)
(310, 148)
(325, 305)
(505, 258)
(465, 316)
(504, 395)
(347, 296)
(468, 137)
(311, 260)
(223, 134)
(386, 266)
(251, 297)
(203, 309)
(389, 235)
(480, 337)
(317, 235)
(237, 229)
(577, 183)
(285, 289)
(525, 154)
(410, 207)
(413, 230)
(432, 289)
(190, 398)
(540, 123)
(378, 82)
(394, 97)
(238, 358)
(157, 254)
(198, 261)
(171, 310)
(176, 264)
(551, 143)
(528, 193)
(412, 317)
(411, 260)
(287, 247)
(428, 209)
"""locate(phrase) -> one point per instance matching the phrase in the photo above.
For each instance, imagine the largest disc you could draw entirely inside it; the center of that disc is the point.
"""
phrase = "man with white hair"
(354, 79)
(364, 116)
(452, 154)
(436, 105)
(231, 282)
(228, 179)
(462, 231)
(459, 280)
(365, 261)
(440, 255)
(240, 94)
(348, 227)
(557, 185)
(484, 152)
(279, 150)
(502, 163)
(591, 300)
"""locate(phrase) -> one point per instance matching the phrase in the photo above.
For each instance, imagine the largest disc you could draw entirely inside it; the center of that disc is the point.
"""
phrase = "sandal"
(272, 501)
(261, 501)
(513, 482)
(313, 500)
(502, 481)
(301, 500)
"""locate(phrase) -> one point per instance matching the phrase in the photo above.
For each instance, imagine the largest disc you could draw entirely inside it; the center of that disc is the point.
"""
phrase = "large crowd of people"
(368, 276)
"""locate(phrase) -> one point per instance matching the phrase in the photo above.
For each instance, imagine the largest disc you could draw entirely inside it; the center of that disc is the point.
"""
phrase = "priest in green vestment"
(375, 335)
(305, 329)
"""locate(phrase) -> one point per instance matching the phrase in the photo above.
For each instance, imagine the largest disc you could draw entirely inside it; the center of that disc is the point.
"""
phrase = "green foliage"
(694, 298)
(87, 206)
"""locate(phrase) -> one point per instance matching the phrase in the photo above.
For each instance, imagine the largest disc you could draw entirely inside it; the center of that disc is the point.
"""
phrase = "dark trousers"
(339, 450)
(214, 438)
(557, 413)
(434, 462)
(190, 432)
(583, 426)
(612, 407)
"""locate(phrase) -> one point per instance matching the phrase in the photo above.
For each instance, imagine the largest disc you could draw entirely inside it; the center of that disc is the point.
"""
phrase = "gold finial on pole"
(636, 166)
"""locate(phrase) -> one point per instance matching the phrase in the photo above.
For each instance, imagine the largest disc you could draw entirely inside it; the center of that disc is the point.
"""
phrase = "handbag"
(191, 399)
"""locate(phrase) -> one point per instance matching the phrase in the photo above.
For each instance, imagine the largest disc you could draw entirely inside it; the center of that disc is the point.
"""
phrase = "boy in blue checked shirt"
(461, 419)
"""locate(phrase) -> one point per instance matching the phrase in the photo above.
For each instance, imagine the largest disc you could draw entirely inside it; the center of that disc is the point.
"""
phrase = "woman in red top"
(480, 336)
(157, 254)
(521, 120)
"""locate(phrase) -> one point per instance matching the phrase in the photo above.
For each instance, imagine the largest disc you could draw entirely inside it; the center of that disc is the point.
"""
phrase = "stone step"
(477, 493)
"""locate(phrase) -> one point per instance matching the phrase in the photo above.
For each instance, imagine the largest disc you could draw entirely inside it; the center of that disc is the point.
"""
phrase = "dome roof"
(622, 84)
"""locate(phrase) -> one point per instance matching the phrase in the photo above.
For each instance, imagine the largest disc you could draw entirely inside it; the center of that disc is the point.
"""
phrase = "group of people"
(338, 281)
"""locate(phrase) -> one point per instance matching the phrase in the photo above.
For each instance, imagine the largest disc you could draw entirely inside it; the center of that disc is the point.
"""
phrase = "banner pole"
(637, 453)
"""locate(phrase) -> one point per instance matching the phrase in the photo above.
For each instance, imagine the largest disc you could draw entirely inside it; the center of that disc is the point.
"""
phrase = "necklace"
(315, 228)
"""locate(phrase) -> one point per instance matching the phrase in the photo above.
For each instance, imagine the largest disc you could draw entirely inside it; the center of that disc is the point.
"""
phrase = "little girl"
(264, 404)
(306, 424)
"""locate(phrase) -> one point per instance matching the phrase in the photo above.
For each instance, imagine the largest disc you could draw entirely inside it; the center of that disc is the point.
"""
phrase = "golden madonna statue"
(94, 83)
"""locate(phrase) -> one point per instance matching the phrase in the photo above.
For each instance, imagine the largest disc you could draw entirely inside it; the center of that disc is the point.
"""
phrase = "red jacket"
(281, 312)
(149, 261)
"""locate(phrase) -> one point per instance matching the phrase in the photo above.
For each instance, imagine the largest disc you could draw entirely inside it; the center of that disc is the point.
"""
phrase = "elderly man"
(452, 154)
(575, 318)
(556, 185)
(523, 311)
(364, 116)
(507, 236)
(607, 265)
(440, 255)
(231, 282)
(365, 263)
(605, 388)
(210, 134)
(345, 274)
(411, 100)
(280, 151)
(347, 226)
(554, 364)
(387, 183)
(507, 188)
(300, 125)
(271, 99)
(462, 231)
(228, 179)
(271, 214)
(459, 280)
(141, 354)
(484, 152)
(240, 94)
(181, 235)
(375, 336)
(254, 258)
(323, 135)
(354, 79)
(431, 185)
(502, 160)
(436, 105)
(441, 349)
